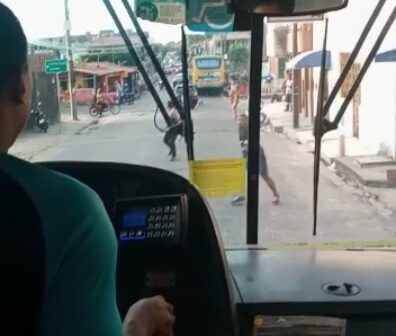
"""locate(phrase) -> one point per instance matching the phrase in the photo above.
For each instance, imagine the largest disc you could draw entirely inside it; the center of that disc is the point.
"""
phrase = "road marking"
(335, 245)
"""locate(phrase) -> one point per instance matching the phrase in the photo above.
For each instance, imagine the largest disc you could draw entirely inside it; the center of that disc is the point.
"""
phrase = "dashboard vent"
(341, 289)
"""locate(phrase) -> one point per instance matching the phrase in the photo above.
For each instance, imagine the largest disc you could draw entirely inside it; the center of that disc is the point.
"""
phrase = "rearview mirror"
(287, 7)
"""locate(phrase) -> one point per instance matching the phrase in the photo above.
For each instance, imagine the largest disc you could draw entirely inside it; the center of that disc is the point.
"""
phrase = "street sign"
(351, 78)
(55, 66)
(295, 19)
(210, 16)
(163, 11)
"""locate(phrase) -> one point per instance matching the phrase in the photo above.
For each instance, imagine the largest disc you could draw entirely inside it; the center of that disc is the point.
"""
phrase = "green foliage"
(239, 57)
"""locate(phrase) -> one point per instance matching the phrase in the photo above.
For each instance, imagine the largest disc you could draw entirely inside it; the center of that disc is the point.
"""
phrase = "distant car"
(194, 98)
(178, 67)
(193, 90)
(178, 79)
(168, 69)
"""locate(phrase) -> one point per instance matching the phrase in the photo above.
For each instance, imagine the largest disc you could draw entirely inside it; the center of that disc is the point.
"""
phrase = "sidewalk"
(364, 168)
(32, 142)
(282, 122)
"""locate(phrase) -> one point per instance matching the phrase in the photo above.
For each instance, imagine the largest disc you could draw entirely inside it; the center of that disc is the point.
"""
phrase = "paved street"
(345, 214)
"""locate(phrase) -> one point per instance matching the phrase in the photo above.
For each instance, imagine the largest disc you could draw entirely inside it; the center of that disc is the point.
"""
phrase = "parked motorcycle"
(39, 118)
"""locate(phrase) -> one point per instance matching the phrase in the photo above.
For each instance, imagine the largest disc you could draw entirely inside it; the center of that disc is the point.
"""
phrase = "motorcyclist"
(100, 102)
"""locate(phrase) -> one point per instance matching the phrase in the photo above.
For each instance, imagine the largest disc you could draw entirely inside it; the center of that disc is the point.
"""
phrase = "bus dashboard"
(169, 244)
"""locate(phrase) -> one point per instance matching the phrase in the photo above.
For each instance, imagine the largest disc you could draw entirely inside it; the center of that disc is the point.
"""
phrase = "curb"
(291, 134)
(351, 174)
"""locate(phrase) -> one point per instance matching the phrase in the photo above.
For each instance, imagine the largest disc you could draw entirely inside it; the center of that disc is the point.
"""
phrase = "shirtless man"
(234, 97)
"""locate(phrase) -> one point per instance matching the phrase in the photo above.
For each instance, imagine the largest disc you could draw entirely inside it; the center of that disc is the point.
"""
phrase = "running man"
(176, 129)
(244, 141)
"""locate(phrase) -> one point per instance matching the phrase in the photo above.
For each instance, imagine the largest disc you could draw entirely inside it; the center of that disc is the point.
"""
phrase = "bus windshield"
(208, 63)
(97, 107)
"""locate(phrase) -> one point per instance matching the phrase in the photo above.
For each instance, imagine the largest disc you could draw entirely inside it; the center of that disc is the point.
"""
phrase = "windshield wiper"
(322, 125)
(319, 127)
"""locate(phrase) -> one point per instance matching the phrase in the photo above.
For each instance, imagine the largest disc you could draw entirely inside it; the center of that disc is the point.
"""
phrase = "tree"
(239, 57)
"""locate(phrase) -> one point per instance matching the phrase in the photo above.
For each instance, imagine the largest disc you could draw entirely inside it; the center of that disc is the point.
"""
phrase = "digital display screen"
(135, 218)
(209, 63)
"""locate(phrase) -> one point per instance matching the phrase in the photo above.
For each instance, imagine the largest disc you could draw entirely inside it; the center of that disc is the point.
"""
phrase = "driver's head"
(15, 80)
(273, 6)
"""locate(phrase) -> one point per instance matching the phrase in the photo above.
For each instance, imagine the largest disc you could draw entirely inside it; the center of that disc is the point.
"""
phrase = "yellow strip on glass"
(219, 178)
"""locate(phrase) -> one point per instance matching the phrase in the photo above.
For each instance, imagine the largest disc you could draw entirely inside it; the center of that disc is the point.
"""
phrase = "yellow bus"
(208, 73)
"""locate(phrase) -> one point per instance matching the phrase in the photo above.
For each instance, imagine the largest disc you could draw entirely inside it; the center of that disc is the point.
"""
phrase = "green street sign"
(55, 66)
(163, 11)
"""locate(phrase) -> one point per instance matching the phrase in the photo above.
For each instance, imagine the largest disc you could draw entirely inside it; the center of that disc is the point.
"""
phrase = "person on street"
(234, 97)
(288, 87)
(243, 128)
(100, 102)
(58, 247)
(176, 129)
(268, 82)
(118, 89)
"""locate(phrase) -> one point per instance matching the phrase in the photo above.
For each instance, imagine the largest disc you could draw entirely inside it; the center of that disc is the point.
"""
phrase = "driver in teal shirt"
(79, 295)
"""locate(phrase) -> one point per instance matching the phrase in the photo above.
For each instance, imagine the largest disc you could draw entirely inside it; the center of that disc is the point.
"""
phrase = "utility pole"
(296, 77)
(73, 109)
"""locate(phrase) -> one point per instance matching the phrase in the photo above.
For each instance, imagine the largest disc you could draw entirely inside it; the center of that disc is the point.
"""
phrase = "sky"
(45, 18)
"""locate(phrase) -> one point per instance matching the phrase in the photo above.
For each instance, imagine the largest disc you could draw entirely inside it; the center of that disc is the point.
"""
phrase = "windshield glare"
(357, 205)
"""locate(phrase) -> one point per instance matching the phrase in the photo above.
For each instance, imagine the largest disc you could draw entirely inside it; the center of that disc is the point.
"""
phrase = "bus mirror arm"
(323, 125)
(139, 63)
(328, 126)
(364, 69)
(153, 58)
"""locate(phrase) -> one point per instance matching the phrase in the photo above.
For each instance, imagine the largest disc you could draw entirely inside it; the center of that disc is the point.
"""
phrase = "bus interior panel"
(217, 293)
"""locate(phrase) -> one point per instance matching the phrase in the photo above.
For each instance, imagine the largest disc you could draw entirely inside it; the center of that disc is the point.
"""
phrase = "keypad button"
(163, 234)
(166, 209)
(172, 217)
(157, 234)
(158, 218)
(157, 226)
(150, 234)
(151, 219)
(159, 210)
(172, 225)
(165, 217)
(164, 226)
(150, 226)
(173, 208)
(171, 233)
(152, 210)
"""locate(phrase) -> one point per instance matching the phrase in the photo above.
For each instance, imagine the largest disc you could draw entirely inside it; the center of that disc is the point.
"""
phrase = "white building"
(372, 118)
